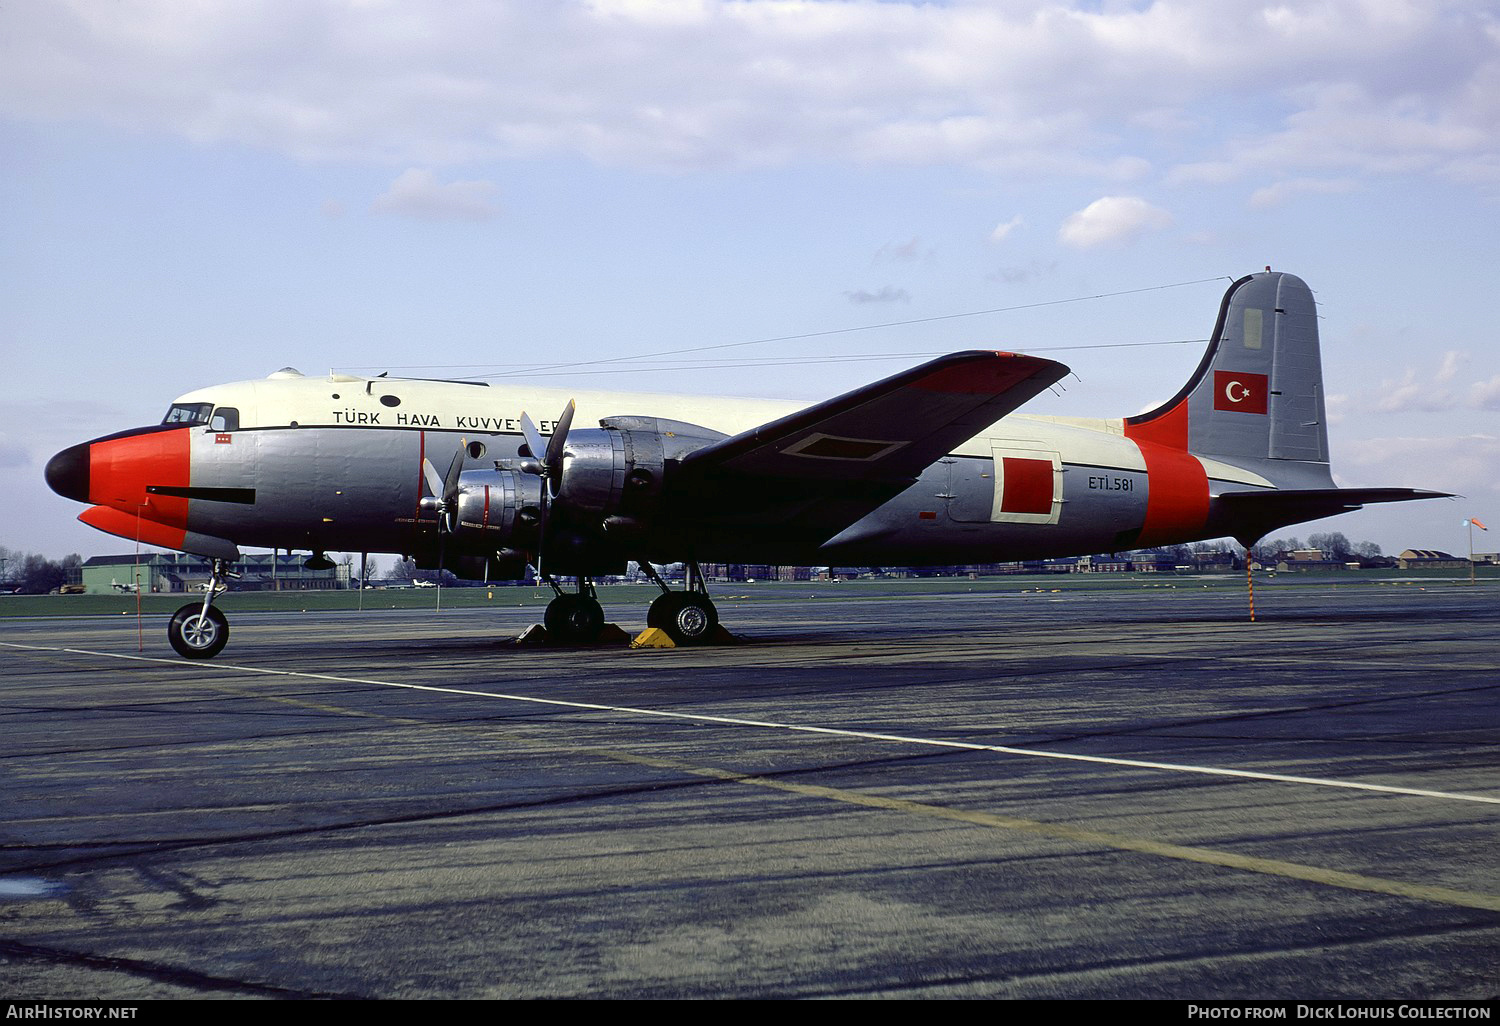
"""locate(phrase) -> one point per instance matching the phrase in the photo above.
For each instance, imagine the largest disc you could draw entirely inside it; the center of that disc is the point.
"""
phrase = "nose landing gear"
(198, 630)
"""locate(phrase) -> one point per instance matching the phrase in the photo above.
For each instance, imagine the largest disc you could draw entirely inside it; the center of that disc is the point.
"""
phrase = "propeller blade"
(430, 475)
(533, 437)
(550, 458)
(555, 446)
(450, 491)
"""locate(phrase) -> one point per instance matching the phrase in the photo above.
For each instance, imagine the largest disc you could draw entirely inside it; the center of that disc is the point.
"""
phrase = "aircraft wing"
(815, 472)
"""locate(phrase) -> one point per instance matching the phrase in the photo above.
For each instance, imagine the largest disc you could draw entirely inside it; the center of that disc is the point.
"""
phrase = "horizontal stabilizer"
(1249, 516)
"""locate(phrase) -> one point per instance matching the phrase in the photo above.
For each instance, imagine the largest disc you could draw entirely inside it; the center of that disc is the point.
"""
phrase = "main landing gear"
(575, 619)
(198, 630)
(688, 617)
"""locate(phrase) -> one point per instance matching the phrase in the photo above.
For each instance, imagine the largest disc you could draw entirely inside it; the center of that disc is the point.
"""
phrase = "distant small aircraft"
(129, 589)
(927, 467)
(422, 584)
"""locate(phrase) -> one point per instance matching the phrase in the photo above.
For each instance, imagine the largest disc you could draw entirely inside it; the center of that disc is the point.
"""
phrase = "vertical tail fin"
(1258, 393)
(1256, 403)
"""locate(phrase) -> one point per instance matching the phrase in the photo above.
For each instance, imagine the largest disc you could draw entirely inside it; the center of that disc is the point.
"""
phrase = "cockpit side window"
(188, 413)
(226, 418)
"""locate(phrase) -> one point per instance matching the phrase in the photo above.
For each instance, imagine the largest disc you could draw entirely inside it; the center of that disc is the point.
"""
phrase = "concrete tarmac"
(1133, 794)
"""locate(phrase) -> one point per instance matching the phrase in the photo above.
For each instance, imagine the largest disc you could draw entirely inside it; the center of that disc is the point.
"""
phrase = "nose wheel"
(197, 634)
(198, 630)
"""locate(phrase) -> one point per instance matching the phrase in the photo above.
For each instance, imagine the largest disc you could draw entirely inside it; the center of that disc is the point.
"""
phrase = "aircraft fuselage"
(336, 463)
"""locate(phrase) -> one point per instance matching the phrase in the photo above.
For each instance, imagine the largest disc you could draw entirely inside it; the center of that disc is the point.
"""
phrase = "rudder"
(1258, 392)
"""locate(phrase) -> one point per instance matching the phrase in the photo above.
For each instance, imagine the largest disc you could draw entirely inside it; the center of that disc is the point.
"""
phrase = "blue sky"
(207, 193)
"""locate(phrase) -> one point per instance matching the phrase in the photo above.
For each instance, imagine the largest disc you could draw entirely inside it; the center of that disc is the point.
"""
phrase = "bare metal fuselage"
(336, 464)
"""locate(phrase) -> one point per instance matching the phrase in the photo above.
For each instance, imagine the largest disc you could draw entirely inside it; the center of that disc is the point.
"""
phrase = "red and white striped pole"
(1250, 584)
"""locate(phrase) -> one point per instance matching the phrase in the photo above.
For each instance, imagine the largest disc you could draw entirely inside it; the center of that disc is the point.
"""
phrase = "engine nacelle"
(499, 508)
(604, 504)
(612, 477)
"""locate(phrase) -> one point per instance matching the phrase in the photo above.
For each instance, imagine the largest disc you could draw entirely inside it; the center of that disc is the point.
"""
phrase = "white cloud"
(1411, 394)
(1462, 464)
(1112, 220)
(1449, 367)
(417, 193)
(1415, 393)
(1486, 394)
(1284, 91)
(1282, 192)
(1003, 230)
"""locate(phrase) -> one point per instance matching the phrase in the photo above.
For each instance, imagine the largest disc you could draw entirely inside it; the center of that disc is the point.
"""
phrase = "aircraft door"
(1028, 486)
(1013, 486)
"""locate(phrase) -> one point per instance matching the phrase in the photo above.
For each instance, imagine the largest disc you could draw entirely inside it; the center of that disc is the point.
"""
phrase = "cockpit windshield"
(188, 413)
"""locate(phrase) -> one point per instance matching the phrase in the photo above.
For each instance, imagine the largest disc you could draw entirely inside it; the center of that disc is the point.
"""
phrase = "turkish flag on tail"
(1241, 393)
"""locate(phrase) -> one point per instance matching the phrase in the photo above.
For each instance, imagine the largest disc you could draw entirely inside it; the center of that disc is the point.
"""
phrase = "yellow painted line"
(1061, 831)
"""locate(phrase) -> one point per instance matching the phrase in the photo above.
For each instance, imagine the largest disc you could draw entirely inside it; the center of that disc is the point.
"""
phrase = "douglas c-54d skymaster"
(929, 466)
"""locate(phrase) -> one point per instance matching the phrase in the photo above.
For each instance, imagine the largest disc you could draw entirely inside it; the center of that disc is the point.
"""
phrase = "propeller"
(548, 465)
(444, 490)
(550, 455)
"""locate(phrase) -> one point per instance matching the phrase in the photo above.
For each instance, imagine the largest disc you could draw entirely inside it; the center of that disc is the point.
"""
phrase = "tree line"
(1333, 544)
(31, 573)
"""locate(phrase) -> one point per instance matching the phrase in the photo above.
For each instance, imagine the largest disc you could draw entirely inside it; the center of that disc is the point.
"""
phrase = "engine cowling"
(605, 500)
(613, 476)
(497, 524)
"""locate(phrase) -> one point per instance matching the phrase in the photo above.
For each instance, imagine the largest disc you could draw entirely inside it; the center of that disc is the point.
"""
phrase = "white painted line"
(733, 721)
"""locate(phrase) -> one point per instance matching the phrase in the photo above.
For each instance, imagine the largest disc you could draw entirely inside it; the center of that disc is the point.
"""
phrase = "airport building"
(1433, 559)
(169, 572)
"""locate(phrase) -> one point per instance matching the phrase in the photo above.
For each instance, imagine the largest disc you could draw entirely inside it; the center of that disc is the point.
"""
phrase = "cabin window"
(226, 418)
(188, 413)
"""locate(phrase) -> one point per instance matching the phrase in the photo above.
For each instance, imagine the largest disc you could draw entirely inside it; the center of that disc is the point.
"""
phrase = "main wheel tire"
(660, 612)
(574, 619)
(196, 635)
(688, 617)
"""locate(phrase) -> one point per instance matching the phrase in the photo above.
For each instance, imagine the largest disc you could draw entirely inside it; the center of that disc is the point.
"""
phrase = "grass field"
(642, 594)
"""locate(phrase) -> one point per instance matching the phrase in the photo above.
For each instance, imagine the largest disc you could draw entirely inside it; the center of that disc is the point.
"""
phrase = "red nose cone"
(125, 471)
